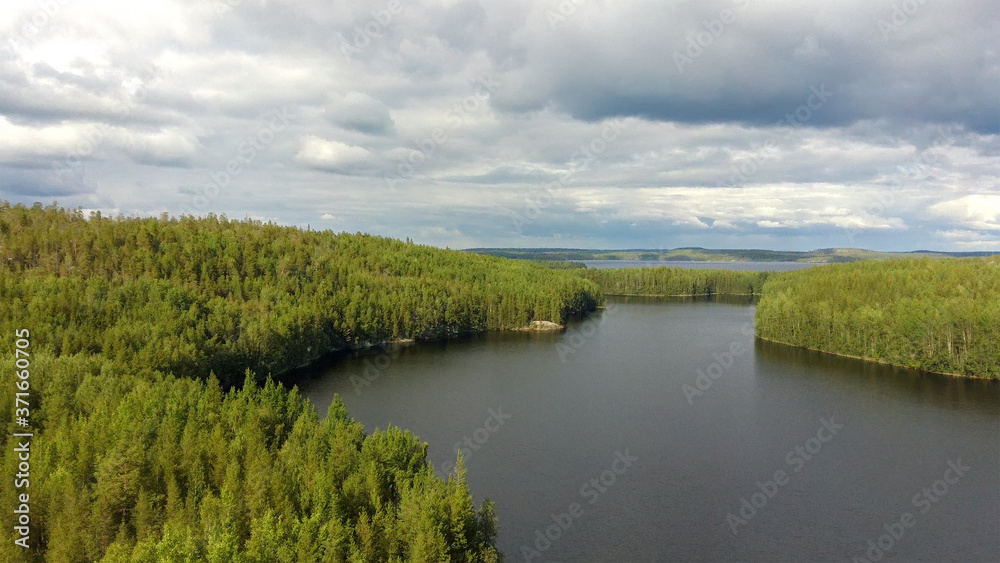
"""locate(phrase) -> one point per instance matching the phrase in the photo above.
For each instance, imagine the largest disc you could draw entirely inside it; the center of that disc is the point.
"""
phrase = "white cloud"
(976, 211)
(18, 141)
(168, 147)
(698, 160)
(330, 155)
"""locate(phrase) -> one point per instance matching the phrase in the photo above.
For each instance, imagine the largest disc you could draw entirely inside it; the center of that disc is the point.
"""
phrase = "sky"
(784, 125)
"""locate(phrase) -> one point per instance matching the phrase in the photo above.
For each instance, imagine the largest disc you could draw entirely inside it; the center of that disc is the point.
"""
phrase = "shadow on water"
(914, 386)
(377, 355)
(323, 366)
(723, 298)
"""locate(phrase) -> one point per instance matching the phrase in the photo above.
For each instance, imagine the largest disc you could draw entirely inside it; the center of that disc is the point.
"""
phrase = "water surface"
(625, 384)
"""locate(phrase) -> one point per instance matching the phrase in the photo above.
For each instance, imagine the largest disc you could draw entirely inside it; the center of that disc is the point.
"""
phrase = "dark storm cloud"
(683, 62)
(46, 186)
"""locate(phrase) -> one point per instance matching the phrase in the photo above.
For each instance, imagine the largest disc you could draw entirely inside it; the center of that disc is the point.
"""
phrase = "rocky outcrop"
(542, 326)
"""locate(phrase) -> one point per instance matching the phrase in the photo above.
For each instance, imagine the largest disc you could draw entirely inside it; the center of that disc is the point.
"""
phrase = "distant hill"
(696, 254)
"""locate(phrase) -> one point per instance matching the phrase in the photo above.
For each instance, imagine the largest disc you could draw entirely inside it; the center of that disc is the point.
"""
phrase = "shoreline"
(549, 327)
(681, 294)
(874, 361)
(366, 347)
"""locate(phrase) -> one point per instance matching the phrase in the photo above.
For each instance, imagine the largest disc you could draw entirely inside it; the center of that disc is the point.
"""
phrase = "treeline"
(939, 315)
(189, 296)
(146, 448)
(667, 281)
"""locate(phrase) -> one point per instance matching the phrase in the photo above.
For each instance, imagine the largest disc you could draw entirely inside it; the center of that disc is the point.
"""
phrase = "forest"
(158, 433)
(190, 296)
(935, 315)
(666, 281)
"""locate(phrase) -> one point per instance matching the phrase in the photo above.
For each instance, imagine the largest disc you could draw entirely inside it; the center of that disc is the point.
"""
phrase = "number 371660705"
(22, 362)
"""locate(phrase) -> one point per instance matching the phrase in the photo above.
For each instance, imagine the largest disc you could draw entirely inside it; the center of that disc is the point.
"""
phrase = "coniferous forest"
(157, 433)
(666, 281)
(939, 315)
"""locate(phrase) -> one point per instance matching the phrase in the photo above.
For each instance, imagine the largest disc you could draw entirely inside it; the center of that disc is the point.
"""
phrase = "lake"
(700, 265)
(659, 430)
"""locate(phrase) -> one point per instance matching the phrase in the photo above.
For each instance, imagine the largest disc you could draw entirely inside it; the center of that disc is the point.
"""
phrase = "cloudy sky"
(580, 123)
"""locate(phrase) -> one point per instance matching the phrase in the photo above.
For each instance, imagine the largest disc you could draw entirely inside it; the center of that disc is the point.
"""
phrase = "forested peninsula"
(940, 315)
(157, 434)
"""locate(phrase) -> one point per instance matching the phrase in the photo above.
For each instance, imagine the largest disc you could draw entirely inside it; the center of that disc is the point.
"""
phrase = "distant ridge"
(698, 254)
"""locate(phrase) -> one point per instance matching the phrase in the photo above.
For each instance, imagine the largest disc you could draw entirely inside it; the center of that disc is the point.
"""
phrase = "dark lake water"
(700, 265)
(616, 446)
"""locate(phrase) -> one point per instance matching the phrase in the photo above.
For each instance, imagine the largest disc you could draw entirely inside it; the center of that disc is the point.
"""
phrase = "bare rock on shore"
(543, 326)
